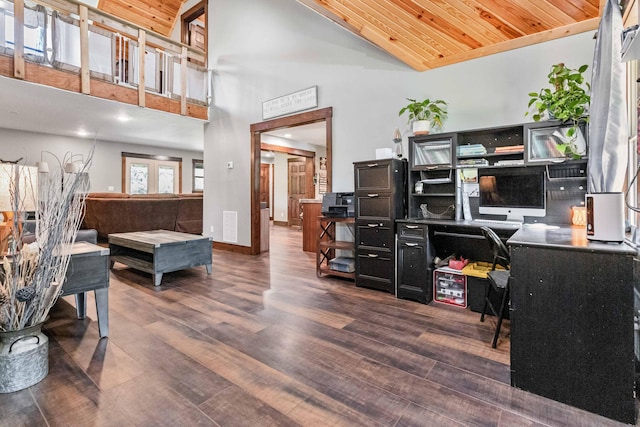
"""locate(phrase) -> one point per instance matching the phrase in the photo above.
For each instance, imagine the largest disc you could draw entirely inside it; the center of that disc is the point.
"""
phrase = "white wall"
(106, 169)
(262, 49)
(280, 187)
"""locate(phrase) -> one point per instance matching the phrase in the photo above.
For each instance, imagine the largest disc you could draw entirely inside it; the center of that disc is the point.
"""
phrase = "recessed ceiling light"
(287, 135)
(123, 118)
(82, 132)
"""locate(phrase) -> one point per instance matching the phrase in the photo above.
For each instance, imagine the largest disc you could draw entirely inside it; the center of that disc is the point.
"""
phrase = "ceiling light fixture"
(82, 132)
(123, 118)
(287, 135)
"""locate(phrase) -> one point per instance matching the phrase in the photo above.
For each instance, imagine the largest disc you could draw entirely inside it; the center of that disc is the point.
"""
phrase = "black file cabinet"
(379, 200)
(415, 262)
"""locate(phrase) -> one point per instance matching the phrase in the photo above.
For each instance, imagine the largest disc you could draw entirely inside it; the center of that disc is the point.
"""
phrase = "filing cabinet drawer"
(374, 176)
(378, 234)
(375, 206)
(376, 263)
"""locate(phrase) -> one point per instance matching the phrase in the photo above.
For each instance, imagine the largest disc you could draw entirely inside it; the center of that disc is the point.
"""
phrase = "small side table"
(88, 270)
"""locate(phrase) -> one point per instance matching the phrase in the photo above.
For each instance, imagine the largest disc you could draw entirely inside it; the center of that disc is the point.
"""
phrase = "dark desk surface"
(566, 237)
(454, 223)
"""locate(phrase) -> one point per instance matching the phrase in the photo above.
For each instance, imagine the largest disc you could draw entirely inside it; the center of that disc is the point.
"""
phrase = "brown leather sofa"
(122, 213)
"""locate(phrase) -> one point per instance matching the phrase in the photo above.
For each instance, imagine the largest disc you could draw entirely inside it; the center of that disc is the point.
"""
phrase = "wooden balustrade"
(19, 68)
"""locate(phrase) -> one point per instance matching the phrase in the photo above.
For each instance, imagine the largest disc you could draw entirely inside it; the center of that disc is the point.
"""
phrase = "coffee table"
(88, 270)
(160, 251)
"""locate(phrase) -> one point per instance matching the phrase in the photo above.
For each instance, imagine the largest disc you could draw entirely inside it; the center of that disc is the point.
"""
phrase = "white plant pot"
(421, 127)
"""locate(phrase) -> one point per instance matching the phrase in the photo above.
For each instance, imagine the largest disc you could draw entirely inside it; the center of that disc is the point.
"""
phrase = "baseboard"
(246, 250)
(281, 223)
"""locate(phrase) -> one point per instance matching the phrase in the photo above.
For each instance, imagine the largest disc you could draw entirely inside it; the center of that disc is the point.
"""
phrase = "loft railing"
(71, 38)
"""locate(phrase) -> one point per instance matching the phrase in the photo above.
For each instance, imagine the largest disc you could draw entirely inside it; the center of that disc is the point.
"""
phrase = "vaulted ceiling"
(426, 34)
(157, 15)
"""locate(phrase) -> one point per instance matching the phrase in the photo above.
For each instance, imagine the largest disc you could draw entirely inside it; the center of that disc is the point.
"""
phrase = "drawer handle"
(372, 255)
(372, 165)
(373, 225)
(411, 245)
(373, 195)
(431, 167)
(412, 227)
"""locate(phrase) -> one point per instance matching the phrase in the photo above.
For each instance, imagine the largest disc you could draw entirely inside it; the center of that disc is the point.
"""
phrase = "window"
(198, 176)
(147, 174)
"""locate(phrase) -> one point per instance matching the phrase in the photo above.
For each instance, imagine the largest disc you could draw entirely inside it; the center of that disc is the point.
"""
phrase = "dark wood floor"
(264, 342)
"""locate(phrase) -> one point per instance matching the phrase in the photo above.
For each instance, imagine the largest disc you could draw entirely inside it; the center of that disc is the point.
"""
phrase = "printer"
(340, 205)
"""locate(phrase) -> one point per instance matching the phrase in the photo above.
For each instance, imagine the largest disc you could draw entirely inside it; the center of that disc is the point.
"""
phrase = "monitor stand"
(515, 218)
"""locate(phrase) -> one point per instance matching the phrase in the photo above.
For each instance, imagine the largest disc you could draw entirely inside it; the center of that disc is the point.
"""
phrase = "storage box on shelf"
(379, 201)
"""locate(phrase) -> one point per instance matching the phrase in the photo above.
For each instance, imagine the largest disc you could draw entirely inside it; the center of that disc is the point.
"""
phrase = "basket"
(24, 358)
(447, 213)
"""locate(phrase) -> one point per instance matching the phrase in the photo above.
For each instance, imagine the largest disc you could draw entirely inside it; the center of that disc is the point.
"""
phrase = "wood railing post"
(141, 55)
(18, 39)
(85, 76)
(183, 81)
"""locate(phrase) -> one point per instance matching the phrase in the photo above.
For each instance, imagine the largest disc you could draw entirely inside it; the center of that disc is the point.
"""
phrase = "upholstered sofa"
(122, 213)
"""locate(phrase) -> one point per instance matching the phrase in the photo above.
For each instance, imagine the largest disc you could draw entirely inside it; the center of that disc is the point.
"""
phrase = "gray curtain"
(608, 131)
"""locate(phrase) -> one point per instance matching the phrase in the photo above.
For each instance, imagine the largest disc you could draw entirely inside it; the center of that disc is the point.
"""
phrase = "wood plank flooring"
(263, 342)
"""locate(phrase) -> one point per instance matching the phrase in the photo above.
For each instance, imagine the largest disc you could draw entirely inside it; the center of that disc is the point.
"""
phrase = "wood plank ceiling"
(426, 34)
(157, 15)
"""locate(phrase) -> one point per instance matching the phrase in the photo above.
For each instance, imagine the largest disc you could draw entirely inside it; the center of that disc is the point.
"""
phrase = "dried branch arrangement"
(32, 275)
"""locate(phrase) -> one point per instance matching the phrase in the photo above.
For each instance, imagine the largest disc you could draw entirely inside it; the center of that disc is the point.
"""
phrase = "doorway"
(321, 115)
(194, 28)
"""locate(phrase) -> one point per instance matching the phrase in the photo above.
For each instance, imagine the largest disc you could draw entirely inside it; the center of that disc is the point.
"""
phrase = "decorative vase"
(24, 358)
(421, 127)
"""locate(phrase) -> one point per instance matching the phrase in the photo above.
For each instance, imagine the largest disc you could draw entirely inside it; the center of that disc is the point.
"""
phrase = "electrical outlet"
(212, 228)
(110, 188)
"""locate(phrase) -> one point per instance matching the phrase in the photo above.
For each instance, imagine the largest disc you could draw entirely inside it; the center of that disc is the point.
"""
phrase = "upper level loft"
(72, 46)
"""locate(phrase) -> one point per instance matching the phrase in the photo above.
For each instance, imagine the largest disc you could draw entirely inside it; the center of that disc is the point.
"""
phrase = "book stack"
(509, 149)
(471, 150)
(473, 163)
(510, 162)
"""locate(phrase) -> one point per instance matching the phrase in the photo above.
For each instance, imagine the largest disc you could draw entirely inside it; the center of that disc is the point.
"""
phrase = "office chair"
(498, 279)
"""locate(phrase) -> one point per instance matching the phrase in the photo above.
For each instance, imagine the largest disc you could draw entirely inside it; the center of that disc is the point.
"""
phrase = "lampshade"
(43, 167)
(21, 179)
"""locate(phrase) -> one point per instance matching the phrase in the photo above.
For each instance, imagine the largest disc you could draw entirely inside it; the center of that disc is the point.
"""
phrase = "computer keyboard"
(489, 222)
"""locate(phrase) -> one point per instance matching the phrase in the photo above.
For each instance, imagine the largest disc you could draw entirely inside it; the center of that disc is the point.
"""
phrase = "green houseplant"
(425, 115)
(567, 100)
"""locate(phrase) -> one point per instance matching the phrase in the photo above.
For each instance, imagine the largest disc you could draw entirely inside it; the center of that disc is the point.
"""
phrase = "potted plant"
(567, 100)
(425, 115)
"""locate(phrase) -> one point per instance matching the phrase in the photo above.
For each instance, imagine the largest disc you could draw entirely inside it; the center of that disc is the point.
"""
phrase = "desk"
(88, 270)
(420, 240)
(572, 332)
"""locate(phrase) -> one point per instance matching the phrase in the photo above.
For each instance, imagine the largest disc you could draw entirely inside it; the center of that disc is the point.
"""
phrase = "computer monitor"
(514, 192)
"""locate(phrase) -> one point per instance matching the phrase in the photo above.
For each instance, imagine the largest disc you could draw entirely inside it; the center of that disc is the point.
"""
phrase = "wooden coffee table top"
(153, 238)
